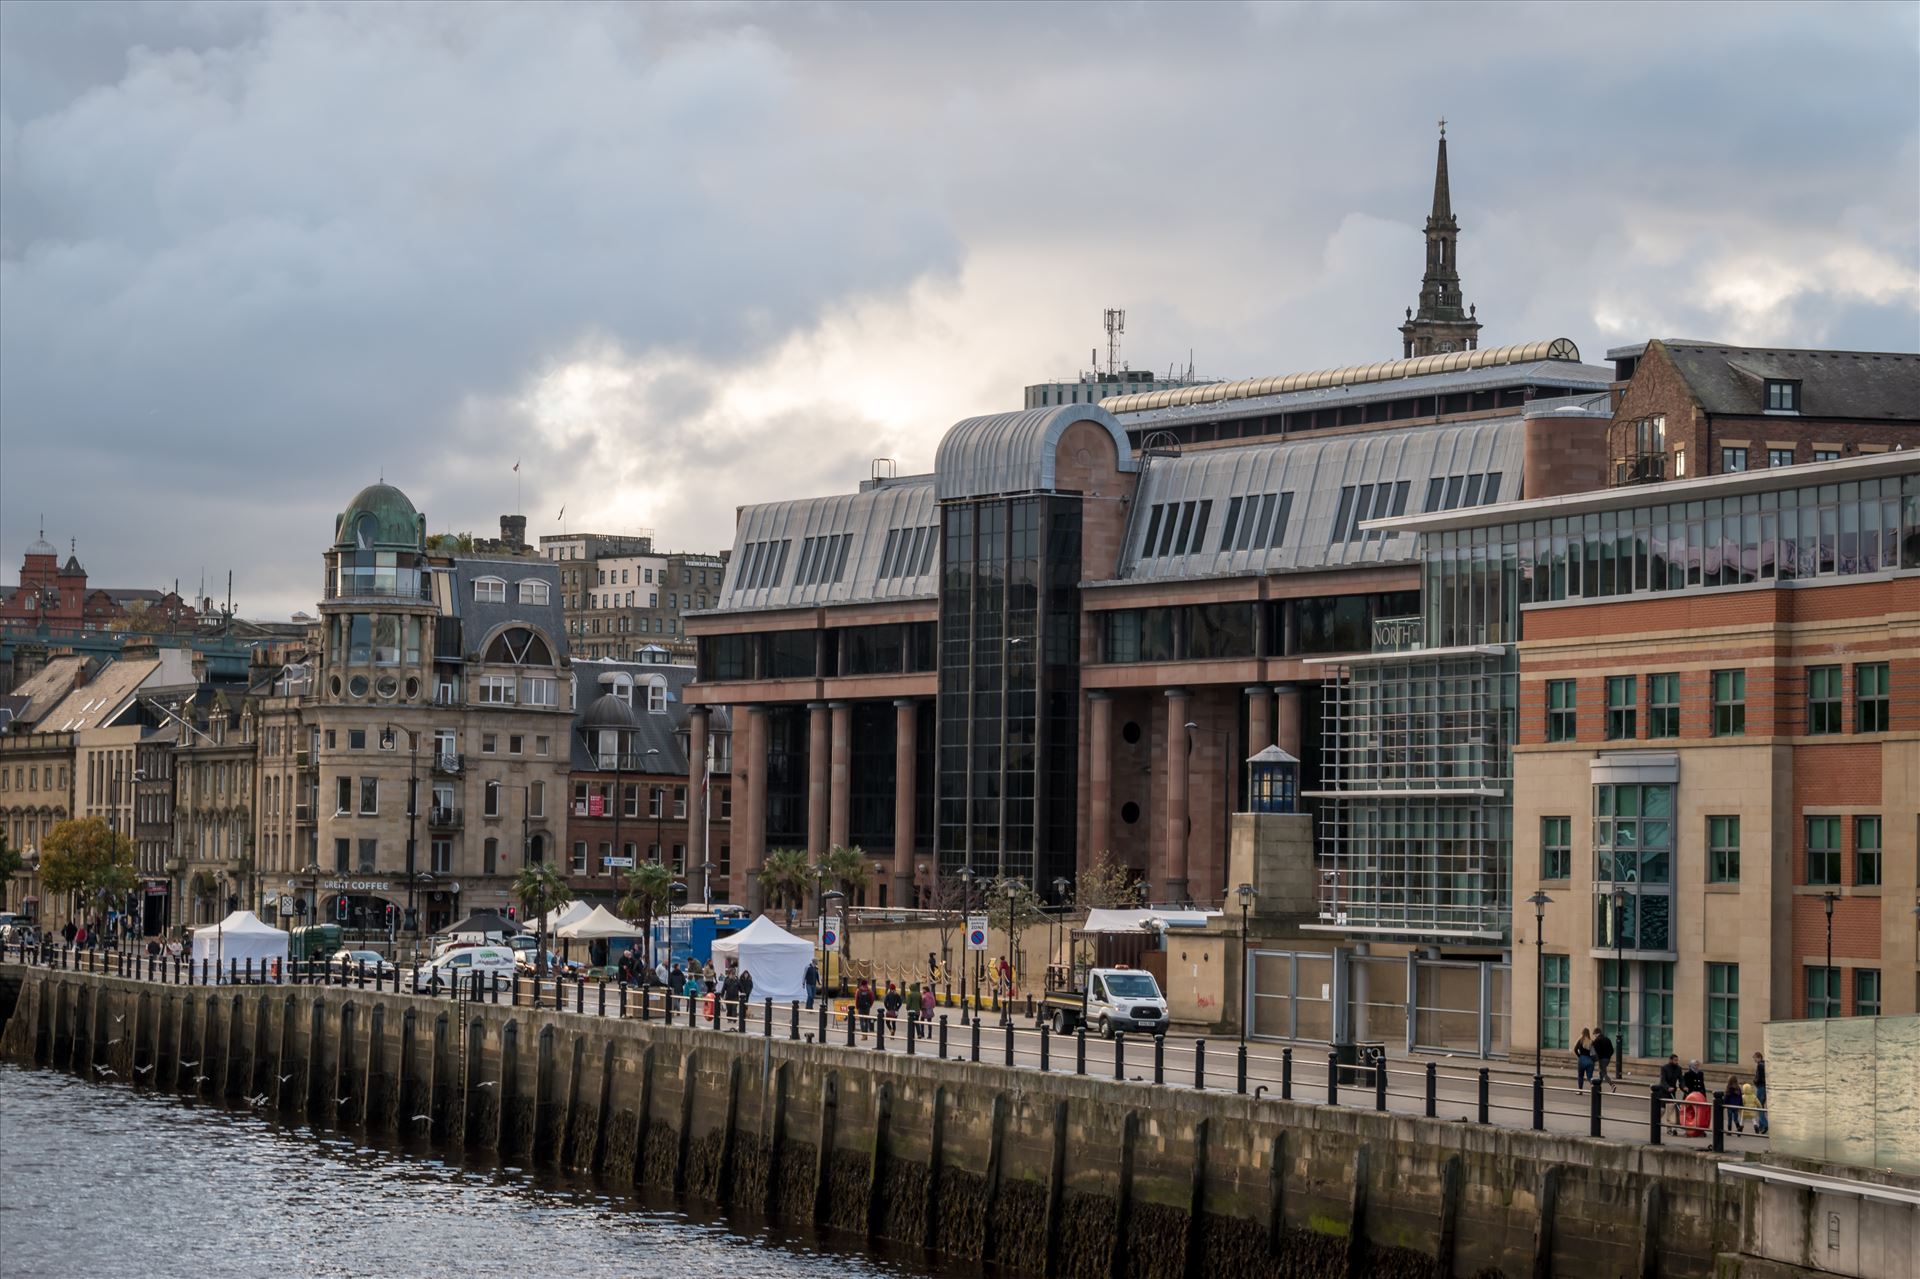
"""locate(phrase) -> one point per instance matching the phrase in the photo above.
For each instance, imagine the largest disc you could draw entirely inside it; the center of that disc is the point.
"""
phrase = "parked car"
(347, 963)
(527, 960)
(461, 964)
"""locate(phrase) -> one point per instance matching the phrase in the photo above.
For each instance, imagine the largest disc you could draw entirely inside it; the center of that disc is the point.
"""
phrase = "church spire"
(1443, 323)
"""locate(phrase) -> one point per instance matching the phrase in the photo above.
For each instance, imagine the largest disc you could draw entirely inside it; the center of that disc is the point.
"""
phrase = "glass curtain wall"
(1009, 686)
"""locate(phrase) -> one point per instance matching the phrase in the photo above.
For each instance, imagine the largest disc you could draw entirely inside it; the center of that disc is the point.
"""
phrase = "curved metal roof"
(1350, 375)
(395, 521)
(1014, 452)
(865, 519)
(608, 711)
(1315, 473)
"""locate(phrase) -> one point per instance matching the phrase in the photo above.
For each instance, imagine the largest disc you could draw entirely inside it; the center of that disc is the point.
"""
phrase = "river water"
(101, 1179)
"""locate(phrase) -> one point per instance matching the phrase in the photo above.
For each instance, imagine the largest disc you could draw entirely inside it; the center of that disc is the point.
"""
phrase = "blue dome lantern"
(1273, 782)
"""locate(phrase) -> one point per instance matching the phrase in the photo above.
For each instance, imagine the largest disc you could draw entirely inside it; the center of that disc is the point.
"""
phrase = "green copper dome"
(380, 516)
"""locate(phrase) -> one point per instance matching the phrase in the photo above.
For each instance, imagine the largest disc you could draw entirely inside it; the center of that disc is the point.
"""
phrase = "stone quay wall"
(1042, 1174)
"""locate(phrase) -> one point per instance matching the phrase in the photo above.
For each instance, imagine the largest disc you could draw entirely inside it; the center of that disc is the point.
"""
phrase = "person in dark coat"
(1602, 1056)
(863, 1001)
(743, 995)
(811, 981)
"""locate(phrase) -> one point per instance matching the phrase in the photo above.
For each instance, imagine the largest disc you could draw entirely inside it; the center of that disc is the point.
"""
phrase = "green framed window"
(1622, 711)
(1823, 850)
(1556, 847)
(1729, 703)
(1823, 699)
(1557, 990)
(1663, 705)
(1866, 992)
(1723, 850)
(1615, 1000)
(1823, 992)
(1656, 1008)
(1866, 851)
(1560, 710)
(1723, 1012)
(1871, 705)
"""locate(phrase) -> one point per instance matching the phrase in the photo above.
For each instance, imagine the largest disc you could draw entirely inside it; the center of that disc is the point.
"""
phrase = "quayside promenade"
(1053, 1172)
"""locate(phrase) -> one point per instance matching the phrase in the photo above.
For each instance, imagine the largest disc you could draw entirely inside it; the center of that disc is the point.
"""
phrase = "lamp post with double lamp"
(1827, 982)
(312, 872)
(674, 890)
(1246, 895)
(388, 736)
(1013, 900)
(1539, 901)
(826, 895)
(1061, 885)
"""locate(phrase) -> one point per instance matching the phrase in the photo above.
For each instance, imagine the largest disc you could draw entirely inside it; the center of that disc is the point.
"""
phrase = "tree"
(649, 885)
(1108, 885)
(540, 891)
(10, 864)
(83, 857)
(786, 876)
(853, 873)
(1012, 905)
(947, 899)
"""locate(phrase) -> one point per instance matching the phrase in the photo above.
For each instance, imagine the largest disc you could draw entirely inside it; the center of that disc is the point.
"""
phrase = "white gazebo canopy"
(236, 939)
(599, 923)
(571, 913)
(777, 959)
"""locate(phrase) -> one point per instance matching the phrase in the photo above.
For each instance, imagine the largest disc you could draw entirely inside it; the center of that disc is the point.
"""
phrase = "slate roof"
(47, 687)
(1867, 386)
(761, 575)
(478, 619)
(101, 699)
(662, 732)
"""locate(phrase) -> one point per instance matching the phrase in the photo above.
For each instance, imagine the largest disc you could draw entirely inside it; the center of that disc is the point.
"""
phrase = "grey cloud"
(252, 256)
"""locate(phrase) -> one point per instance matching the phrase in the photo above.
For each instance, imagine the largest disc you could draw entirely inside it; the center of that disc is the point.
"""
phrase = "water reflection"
(101, 1179)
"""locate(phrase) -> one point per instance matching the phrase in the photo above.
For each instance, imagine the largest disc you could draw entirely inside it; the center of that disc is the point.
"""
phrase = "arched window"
(519, 646)
(533, 591)
(623, 687)
(490, 590)
(493, 799)
(657, 696)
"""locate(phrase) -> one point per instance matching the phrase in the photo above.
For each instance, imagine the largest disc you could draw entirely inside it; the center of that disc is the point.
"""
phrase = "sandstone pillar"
(819, 761)
(905, 799)
(840, 774)
(696, 787)
(1174, 890)
(750, 840)
(1100, 776)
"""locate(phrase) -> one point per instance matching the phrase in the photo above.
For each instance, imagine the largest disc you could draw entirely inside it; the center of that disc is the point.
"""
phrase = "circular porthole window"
(389, 687)
(1129, 812)
(357, 686)
(1130, 732)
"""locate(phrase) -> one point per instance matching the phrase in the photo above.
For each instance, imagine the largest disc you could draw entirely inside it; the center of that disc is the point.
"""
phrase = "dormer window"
(657, 696)
(1783, 396)
(489, 590)
(533, 591)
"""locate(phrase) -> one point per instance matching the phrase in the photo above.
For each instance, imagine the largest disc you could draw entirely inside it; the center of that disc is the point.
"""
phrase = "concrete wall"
(1045, 1174)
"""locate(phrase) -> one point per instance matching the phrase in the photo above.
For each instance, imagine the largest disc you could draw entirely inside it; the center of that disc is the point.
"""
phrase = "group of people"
(1683, 1088)
(867, 997)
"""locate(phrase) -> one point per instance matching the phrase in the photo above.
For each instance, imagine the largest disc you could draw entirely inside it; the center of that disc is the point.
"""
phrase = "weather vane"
(1443, 126)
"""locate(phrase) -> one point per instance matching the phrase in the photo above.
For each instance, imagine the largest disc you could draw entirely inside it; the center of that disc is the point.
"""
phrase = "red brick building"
(55, 597)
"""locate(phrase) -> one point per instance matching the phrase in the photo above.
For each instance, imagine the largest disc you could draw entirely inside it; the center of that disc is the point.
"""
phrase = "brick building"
(54, 598)
(625, 601)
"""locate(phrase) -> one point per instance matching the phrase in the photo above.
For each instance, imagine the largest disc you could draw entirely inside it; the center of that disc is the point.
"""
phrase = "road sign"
(830, 932)
(976, 932)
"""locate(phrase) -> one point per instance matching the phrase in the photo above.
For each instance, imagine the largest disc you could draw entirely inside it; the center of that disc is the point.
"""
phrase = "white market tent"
(597, 924)
(238, 938)
(777, 959)
(571, 913)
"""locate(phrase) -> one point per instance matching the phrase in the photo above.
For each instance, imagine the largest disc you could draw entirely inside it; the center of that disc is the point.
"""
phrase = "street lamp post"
(659, 806)
(966, 924)
(1620, 980)
(825, 895)
(1060, 886)
(1246, 894)
(387, 739)
(1013, 898)
(1539, 901)
(619, 798)
(675, 889)
(1826, 977)
(706, 883)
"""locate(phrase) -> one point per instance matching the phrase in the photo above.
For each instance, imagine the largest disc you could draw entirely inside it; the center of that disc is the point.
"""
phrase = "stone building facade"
(625, 601)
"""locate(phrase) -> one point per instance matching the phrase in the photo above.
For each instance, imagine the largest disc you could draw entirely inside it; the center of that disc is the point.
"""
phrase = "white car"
(460, 965)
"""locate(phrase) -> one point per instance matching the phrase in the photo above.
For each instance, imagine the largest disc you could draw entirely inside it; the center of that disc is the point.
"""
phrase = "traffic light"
(413, 919)
(391, 915)
(300, 906)
(513, 913)
(340, 911)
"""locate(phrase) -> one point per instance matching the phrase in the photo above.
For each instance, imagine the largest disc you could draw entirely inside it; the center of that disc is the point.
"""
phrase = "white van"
(459, 966)
(1126, 999)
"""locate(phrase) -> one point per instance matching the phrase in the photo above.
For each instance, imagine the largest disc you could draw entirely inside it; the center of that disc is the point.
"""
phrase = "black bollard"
(1080, 1050)
(974, 1027)
(1486, 1083)
(879, 1032)
(1539, 1104)
(603, 997)
(1380, 1082)
(1593, 1112)
(849, 1025)
(1009, 1043)
(623, 1001)
(493, 984)
(1119, 1054)
(1159, 1059)
(1433, 1090)
(1654, 1122)
(768, 1028)
(1719, 1123)
(1333, 1079)
(1240, 1070)
(1286, 1074)
(913, 1029)
(823, 1019)
(1200, 1064)
(943, 1036)
(717, 1002)
(646, 1011)
(1046, 1062)
(793, 1020)
(362, 966)
(579, 995)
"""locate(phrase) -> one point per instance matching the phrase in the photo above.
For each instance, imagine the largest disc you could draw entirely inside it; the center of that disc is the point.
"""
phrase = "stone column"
(819, 759)
(696, 788)
(1259, 718)
(1286, 720)
(750, 836)
(904, 798)
(840, 774)
(1174, 890)
(1099, 776)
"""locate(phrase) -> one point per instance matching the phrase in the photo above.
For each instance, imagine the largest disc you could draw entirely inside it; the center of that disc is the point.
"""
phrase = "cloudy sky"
(678, 259)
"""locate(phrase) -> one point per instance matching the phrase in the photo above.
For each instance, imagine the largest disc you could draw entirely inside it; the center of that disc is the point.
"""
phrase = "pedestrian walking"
(1602, 1054)
(743, 995)
(863, 1002)
(1669, 1089)
(812, 982)
(1755, 1105)
(926, 1012)
(1733, 1099)
(892, 1003)
(1583, 1058)
(1760, 1078)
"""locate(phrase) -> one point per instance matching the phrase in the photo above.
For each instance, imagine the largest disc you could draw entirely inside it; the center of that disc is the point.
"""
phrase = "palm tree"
(850, 869)
(540, 890)
(648, 885)
(787, 875)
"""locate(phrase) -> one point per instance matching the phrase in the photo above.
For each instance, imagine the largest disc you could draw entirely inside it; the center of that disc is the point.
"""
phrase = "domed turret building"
(421, 759)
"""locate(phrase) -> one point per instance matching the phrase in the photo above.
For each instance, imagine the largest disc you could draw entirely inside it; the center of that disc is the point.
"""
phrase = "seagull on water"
(141, 1070)
(102, 1070)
